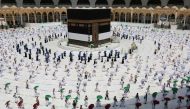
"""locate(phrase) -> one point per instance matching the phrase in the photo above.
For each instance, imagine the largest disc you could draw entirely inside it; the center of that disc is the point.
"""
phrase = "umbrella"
(91, 106)
(61, 90)
(154, 94)
(107, 106)
(126, 89)
(175, 81)
(181, 97)
(76, 99)
(47, 97)
(68, 96)
(35, 87)
(156, 102)
(174, 90)
(138, 104)
(7, 84)
(167, 99)
(99, 97)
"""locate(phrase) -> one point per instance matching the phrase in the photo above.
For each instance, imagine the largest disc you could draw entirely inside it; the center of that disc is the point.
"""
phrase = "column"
(110, 2)
(175, 17)
(47, 17)
(28, 16)
(92, 3)
(74, 3)
(167, 18)
(113, 16)
(21, 20)
(35, 18)
(37, 2)
(151, 18)
(5, 18)
(144, 17)
(13, 19)
(53, 16)
(60, 16)
(131, 17)
(42, 20)
(138, 18)
(158, 18)
(125, 16)
(184, 21)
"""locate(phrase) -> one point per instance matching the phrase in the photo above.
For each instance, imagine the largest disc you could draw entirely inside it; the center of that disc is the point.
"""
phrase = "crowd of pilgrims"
(25, 47)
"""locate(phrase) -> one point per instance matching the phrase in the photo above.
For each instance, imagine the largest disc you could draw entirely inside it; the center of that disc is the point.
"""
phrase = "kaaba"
(88, 27)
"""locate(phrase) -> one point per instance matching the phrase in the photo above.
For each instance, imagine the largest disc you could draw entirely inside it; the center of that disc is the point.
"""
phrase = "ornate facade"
(19, 12)
(19, 15)
(152, 15)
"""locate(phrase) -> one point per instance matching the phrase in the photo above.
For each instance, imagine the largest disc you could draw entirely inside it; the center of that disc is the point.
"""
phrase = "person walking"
(107, 95)
(115, 102)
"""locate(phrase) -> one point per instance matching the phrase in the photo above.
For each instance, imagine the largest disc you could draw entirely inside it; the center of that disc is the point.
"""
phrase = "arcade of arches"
(152, 15)
(19, 16)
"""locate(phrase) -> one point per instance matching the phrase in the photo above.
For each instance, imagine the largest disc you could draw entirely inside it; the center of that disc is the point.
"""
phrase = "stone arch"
(56, 17)
(9, 19)
(141, 18)
(171, 17)
(135, 3)
(148, 18)
(128, 17)
(116, 16)
(118, 2)
(44, 17)
(180, 19)
(154, 3)
(163, 17)
(83, 2)
(50, 17)
(101, 2)
(63, 17)
(64, 2)
(17, 19)
(46, 2)
(122, 17)
(25, 18)
(175, 2)
(135, 17)
(31, 18)
(1, 15)
(38, 17)
(155, 18)
(29, 2)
